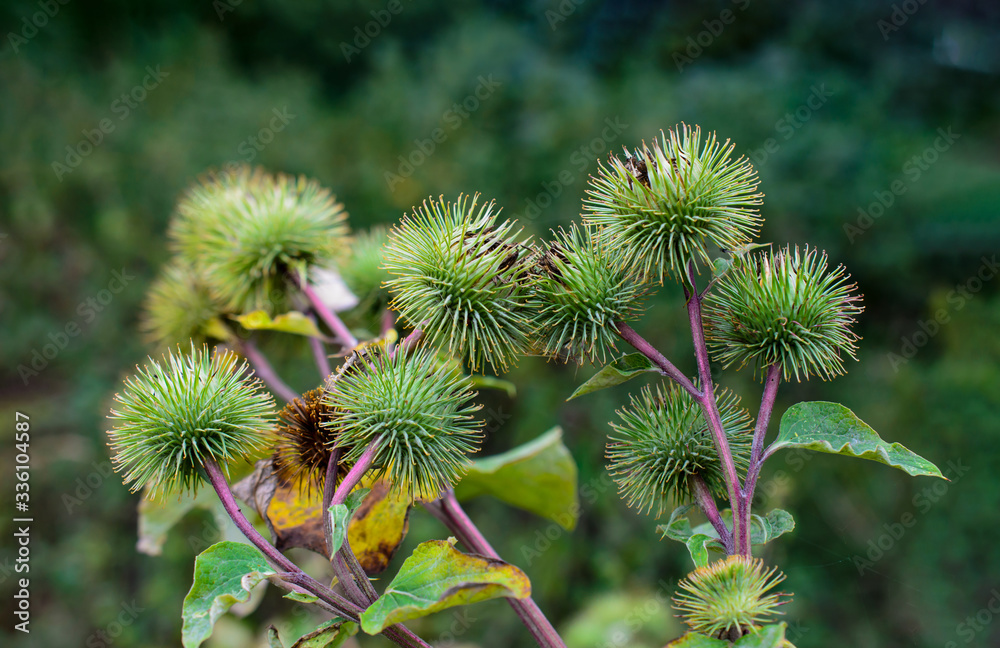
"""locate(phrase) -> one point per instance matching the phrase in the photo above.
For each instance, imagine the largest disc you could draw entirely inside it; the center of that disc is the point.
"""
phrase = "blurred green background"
(875, 128)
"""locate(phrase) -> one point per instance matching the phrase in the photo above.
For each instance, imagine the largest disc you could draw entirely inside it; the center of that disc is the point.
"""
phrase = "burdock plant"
(395, 423)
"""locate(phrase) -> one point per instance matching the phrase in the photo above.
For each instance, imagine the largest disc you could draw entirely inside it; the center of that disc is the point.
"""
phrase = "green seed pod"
(418, 410)
(175, 415)
(180, 308)
(253, 235)
(577, 295)
(663, 440)
(786, 308)
(660, 207)
(729, 595)
(456, 270)
(305, 433)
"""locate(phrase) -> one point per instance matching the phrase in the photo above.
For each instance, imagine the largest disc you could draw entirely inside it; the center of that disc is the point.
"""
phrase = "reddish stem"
(707, 504)
(666, 367)
(454, 517)
(757, 455)
(338, 327)
(266, 372)
(319, 353)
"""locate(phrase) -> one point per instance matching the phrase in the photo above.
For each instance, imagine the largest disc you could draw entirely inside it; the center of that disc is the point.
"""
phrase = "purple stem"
(302, 579)
(398, 633)
(343, 334)
(329, 486)
(707, 400)
(757, 455)
(409, 341)
(319, 352)
(666, 367)
(707, 504)
(345, 562)
(455, 518)
(266, 372)
(388, 322)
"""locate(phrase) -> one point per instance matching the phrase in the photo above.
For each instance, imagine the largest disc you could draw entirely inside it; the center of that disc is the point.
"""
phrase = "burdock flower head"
(662, 206)
(455, 270)
(305, 433)
(180, 307)
(577, 296)
(254, 236)
(730, 597)
(786, 308)
(175, 415)
(418, 413)
(662, 441)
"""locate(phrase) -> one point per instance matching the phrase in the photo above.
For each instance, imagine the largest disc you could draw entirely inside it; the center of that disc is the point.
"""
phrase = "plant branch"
(336, 603)
(707, 504)
(266, 372)
(451, 513)
(274, 556)
(707, 398)
(344, 335)
(757, 454)
(319, 353)
(666, 367)
(355, 572)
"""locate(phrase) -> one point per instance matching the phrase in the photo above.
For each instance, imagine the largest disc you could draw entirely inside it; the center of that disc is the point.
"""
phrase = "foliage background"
(563, 69)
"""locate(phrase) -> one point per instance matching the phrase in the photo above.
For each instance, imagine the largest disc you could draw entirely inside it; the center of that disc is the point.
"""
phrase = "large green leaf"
(292, 322)
(623, 369)
(224, 574)
(436, 577)
(539, 476)
(332, 634)
(832, 428)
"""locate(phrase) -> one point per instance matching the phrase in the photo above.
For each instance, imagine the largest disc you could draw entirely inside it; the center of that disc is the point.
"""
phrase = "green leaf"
(539, 476)
(292, 322)
(775, 523)
(697, 547)
(695, 640)
(491, 382)
(301, 597)
(156, 518)
(331, 634)
(224, 574)
(832, 428)
(623, 369)
(721, 266)
(341, 514)
(436, 577)
(770, 636)
(704, 536)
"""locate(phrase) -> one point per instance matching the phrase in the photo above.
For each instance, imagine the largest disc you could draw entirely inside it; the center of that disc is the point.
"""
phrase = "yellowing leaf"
(436, 577)
(292, 322)
(379, 527)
